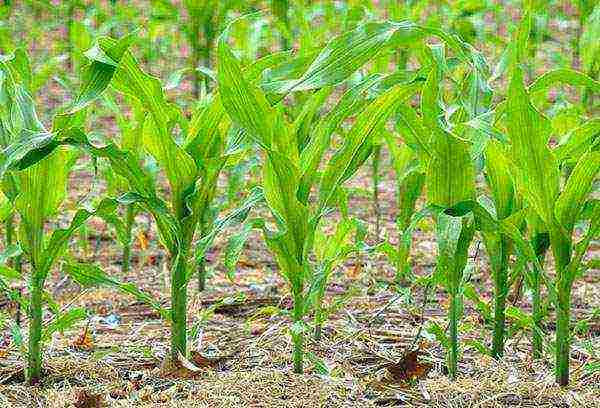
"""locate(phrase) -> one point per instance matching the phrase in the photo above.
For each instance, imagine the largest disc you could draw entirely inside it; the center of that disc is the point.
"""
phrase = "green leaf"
(243, 101)
(346, 53)
(577, 141)
(281, 181)
(450, 172)
(129, 79)
(536, 171)
(571, 201)
(563, 76)
(358, 141)
(60, 237)
(105, 55)
(235, 217)
(88, 275)
(63, 322)
(234, 248)
(499, 179)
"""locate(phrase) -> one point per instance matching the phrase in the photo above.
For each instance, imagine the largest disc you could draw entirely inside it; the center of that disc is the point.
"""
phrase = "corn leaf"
(499, 179)
(536, 170)
(573, 197)
(88, 275)
(358, 141)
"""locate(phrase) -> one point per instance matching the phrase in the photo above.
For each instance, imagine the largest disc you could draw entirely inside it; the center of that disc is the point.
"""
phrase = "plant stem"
(318, 331)
(409, 191)
(536, 341)
(16, 263)
(561, 250)
(35, 331)
(563, 341)
(541, 244)
(500, 294)
(179, 305)
(298, 334)
(453, 327)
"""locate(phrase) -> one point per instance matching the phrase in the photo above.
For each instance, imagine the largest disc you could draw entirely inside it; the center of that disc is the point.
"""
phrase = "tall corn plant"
(191, 168)
(41, 185)
(437, 152)
(290, 171)
(538, 177)
(291, 164)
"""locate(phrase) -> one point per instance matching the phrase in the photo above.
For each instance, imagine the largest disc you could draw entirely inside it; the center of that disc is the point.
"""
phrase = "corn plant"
(550, 211)
(191, 169)
(537, 175)
(410, 180)
(41, 185)
(498, 245)
(291, 164)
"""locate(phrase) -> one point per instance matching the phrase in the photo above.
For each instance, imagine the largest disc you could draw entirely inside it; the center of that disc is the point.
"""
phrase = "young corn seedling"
(41, 185)
(130, 128)
(410, 180)
(497, 244)
(441, 158)
(191, 168)
(329, 252)
(537, 173)
(289, 171)
(291, 163)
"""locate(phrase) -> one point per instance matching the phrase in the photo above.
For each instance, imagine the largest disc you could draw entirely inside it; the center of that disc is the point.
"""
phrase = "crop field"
(299, 203)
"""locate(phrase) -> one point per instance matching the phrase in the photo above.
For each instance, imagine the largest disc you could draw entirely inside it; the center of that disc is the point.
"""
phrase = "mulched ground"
(116, 358)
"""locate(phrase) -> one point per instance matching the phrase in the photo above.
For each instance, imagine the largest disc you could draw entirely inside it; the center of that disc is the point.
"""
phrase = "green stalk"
(561, 249)
(129, 221)
(500, 294)
(201, 265)
(34, 369)
(536, 341)
(563, 340)
(541, 244)
(179, 305)
(376, 206)
(17, 263)
(298, 335)
(35, 238)
(453, 328)
(319, 314)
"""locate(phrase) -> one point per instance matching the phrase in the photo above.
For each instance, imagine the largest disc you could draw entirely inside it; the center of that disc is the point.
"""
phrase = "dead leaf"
(257, 328)
(354, 272)
(3, 352)
(87, 399)
(187, 364)
(203, 361)
(84, 341)
(408, 368)
(141, 236)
